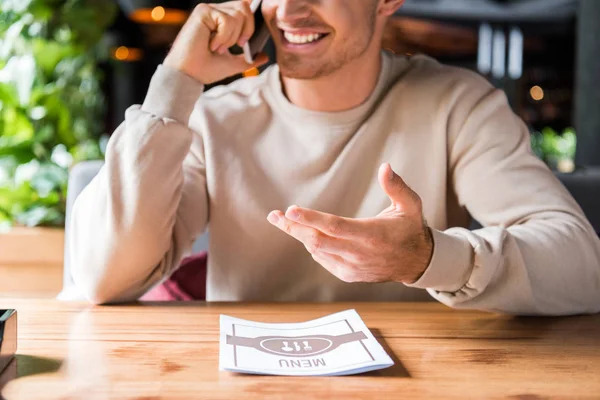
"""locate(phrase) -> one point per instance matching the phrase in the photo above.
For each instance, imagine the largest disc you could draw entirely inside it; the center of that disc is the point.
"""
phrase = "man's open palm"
(395, 245)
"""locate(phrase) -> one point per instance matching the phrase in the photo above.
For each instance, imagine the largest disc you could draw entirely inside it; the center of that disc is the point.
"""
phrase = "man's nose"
(291, 10)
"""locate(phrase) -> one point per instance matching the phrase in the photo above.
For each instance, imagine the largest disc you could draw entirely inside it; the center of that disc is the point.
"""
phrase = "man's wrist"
(414, 265)
(175, 64)
(450, 265)
(423, 259)
(172, 94)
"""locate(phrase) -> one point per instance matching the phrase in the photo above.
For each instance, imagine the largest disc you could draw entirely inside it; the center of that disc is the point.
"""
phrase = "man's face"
(314, 38)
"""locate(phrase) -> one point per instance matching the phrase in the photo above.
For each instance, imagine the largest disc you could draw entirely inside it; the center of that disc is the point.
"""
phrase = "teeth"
(301, 39)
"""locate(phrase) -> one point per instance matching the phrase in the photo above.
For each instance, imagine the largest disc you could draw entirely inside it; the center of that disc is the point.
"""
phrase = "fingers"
(242, 65)
(233, 24)
(329, 224)
(348, 260)
(226, 33)
(231, 64)
(314, 240)
(243, 15)
(400, 194)
(248, 27)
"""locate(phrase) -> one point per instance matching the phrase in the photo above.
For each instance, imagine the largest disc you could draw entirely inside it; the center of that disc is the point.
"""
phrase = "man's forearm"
(547, 266)
(125, 234)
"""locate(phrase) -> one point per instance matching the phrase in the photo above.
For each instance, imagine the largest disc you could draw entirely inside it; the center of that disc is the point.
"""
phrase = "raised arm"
(141, 214)
(138, 217)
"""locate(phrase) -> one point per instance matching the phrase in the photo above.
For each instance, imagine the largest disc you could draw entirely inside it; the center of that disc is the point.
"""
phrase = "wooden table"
(153, 351)
(27, 273)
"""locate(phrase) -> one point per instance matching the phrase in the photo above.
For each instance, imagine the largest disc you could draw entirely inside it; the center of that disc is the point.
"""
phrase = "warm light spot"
(565, 165)
(251, 72)
(124, 53)
(536, 93)
(158, 13)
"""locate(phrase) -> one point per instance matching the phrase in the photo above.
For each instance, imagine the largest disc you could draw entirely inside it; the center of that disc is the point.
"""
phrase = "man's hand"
(396, 245)
(201, 48)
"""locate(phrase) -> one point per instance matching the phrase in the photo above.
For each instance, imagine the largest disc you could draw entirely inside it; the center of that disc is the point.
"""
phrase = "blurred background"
(70, 68)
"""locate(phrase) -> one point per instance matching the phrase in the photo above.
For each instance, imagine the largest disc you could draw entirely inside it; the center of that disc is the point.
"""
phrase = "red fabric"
(186, 284)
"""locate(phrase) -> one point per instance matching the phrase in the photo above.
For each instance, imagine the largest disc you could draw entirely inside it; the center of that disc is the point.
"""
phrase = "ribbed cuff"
(172, 94)
(450, 266)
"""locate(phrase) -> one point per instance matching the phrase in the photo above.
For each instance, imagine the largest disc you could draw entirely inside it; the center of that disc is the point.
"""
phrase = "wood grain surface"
(31, 262)
(170, 351)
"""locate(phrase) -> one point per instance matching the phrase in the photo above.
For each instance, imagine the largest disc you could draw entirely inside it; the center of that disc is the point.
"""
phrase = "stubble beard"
(296, 66)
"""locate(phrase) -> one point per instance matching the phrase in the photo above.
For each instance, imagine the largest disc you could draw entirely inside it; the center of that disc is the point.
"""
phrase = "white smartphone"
(261, 35)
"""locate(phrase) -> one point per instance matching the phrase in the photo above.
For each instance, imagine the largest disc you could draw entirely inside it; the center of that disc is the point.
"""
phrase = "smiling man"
(342, 173)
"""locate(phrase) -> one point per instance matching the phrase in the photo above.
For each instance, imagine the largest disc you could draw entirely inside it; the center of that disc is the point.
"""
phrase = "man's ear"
(389, 7)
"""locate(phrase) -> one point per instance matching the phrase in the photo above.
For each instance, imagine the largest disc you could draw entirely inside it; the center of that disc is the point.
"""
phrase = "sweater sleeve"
(141, 214)
(537, 253)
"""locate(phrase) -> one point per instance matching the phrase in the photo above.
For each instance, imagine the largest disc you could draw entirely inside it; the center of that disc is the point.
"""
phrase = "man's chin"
(297, 75)
(302, 72)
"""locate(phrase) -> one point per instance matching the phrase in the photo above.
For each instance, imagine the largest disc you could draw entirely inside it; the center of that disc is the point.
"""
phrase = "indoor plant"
(51, 115)
(557, 150)
(582, 181)
(51, 102)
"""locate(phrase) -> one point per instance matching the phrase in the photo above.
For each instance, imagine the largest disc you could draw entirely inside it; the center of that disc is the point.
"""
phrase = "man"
(312, 144)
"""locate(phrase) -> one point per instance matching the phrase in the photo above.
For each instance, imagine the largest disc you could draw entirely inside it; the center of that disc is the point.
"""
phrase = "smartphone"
(259, 39)
(8, 337)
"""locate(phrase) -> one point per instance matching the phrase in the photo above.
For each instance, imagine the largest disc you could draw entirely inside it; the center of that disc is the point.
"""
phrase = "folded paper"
(339, 344)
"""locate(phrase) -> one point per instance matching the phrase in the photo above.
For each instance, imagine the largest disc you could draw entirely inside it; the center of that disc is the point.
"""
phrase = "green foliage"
(553, 147)
(51, 103)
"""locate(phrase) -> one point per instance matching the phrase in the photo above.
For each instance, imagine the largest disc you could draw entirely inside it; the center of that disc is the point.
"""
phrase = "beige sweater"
(187, 160)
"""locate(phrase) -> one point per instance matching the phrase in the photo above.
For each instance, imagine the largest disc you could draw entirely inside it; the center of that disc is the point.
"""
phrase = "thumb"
(397, 190)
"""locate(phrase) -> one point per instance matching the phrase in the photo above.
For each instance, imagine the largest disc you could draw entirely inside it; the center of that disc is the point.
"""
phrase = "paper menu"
(338, 344)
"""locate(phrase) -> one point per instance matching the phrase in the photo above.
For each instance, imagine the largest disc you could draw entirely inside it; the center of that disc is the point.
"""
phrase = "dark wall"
(588, 84)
